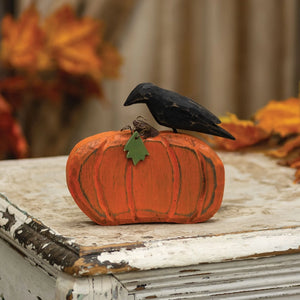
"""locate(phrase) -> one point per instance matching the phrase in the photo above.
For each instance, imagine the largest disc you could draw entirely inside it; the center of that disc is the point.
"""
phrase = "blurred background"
(230, 56)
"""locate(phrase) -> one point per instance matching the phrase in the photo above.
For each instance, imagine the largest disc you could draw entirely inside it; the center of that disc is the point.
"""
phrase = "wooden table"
(50, 250)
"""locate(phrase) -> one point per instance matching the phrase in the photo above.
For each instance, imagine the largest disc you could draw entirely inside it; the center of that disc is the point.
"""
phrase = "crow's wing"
(186, 110)
(190, 107)
(183, 118)
(179, 118)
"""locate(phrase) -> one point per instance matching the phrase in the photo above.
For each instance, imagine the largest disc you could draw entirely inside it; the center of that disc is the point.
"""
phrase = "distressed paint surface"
(21, 278)
(271, 277)
(104, 287)
(259, 217)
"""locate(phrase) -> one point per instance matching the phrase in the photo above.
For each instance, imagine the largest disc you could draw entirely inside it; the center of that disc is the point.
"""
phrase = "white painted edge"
(192, 251)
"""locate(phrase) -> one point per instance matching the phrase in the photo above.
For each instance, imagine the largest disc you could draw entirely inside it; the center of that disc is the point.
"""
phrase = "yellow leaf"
(282, 117)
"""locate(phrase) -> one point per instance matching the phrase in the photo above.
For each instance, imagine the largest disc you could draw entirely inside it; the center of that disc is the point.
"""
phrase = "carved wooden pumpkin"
(181, 181)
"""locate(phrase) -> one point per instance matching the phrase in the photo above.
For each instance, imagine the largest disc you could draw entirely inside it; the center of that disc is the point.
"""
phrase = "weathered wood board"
(259, 217)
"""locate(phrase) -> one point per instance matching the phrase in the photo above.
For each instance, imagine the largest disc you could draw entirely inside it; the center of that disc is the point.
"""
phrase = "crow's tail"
(214, 129)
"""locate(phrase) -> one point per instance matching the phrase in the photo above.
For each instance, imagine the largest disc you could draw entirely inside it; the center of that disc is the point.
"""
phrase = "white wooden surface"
(275, 277)
(258, 224)
(21, 278)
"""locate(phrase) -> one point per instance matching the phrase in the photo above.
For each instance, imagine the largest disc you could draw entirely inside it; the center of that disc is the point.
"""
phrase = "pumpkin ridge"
(113, 180)
(82, 188)
(96, 175)
(207, 204)
(153, 180)
(75, 190)
(205, 184)
(176, 178)
(129, 190)
(193, 213)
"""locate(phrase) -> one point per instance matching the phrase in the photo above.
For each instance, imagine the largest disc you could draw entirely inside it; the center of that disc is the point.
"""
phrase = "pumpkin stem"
(143, 128)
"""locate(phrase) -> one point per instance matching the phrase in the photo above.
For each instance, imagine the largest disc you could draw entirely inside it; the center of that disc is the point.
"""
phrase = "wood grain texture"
(181, 181)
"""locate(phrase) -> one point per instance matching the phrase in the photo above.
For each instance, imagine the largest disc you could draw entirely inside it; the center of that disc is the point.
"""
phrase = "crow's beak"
(139, 94)
(132, 100)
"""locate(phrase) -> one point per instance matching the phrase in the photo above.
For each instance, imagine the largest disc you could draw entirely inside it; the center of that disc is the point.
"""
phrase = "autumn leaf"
(282, 117)
(246, 133)
(278, 121)
(22, 40)
(60, 58)
(285, 152)
(72, 42)
(286, 148)
(63, 41)
(12, 139)
(294, 163)
(297, 176)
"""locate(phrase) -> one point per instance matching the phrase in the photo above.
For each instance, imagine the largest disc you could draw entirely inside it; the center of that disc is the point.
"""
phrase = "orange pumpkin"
(181, 181)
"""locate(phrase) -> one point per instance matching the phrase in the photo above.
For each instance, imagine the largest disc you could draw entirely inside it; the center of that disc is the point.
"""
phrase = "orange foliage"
(282, 117)
(277, 118)
(284, 150)
(22, 39)
(297, 176)
(73, 42)
(63, 41)
(49, 59)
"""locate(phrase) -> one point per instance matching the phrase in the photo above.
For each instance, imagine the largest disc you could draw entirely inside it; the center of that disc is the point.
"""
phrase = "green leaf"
(136, 148)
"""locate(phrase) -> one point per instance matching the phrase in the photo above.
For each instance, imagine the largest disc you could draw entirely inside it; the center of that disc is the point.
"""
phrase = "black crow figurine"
(172, 110)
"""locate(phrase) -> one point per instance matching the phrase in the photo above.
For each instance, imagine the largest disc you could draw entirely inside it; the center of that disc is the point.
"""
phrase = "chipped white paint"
(184, 252)
(45, 245)
(3, 222)
(263, 278)
(102, 288)
(22, 217)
